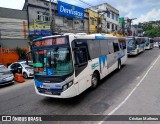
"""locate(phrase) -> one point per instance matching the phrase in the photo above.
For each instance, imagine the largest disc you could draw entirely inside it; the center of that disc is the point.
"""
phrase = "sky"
(143, 10)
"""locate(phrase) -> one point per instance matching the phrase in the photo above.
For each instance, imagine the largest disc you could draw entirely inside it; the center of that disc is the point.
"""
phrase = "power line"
(86, 3)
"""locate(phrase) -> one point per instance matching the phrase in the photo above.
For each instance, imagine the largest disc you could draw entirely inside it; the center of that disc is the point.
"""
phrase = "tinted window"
(14, 66)
(94, 48)
(104, 47)
(122, 43)
(116, 47)
(81, 56)
(110, 46)
(18, 65)
(151, 41)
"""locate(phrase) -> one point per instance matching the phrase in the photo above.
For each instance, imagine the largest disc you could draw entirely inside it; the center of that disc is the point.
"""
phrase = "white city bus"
(149, 43)
(67, 65)
(135, 45)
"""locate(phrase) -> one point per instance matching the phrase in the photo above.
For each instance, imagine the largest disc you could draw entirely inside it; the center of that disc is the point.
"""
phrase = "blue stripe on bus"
(38, 83)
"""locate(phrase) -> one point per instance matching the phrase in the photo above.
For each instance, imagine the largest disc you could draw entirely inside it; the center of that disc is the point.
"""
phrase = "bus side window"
(81, 57)
(110, 47)
(116, 47)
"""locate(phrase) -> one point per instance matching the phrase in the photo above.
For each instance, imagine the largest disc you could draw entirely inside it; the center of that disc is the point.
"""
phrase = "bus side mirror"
(76, 66)
(27, 55)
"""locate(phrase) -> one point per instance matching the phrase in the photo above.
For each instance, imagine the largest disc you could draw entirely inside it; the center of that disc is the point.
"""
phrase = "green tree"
(21, 53)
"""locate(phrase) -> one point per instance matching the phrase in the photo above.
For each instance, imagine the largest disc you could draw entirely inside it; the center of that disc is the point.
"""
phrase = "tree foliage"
(152, 31)
(21, 53)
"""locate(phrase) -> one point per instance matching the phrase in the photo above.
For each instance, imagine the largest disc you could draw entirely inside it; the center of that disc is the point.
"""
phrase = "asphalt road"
(21, 99)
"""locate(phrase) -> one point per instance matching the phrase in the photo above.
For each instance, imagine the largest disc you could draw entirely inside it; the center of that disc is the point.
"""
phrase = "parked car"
(156, 44)
(6, 76)
(22, 67)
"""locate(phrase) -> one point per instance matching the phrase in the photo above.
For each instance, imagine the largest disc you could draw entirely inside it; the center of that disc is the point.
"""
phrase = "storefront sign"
(65, 9)
(39, 28)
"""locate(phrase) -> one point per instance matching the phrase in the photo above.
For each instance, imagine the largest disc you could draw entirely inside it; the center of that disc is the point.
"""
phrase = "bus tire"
(94, 80)
(119, 65)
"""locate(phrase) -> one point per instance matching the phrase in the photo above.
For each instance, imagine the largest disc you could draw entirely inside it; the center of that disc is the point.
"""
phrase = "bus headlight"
(70, 83)
(66, 86)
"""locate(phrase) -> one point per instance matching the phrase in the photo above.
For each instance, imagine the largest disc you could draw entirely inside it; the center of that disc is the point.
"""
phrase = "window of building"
(116, 28)
(112, 26)
(92, 21)
(116, 17)
(112, 15)
(70, 22)
(43, 16)
(40, 15)
(108, 25)
(108, 14)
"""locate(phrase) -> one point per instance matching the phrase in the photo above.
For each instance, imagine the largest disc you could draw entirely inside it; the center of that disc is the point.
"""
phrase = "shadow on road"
(6, 85)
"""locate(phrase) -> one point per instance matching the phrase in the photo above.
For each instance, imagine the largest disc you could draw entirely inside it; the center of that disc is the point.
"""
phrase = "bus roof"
(79, 36)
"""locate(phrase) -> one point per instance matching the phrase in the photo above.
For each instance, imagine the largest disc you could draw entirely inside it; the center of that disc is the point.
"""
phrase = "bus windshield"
(131, 44)
(147, 41)
(52, 62)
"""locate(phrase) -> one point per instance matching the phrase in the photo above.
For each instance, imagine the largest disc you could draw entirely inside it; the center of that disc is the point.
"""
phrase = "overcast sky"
(143, 10)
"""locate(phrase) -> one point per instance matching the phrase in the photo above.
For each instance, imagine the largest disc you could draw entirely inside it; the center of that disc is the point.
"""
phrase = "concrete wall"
(13, 28)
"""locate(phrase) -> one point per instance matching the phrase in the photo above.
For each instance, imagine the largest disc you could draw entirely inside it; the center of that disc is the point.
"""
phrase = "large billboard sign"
(68, 10)
(39, 28)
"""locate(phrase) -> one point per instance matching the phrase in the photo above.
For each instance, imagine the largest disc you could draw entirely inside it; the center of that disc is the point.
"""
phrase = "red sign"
(48, 42)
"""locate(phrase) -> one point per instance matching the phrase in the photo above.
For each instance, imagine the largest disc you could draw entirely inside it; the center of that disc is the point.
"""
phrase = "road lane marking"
(115, 109)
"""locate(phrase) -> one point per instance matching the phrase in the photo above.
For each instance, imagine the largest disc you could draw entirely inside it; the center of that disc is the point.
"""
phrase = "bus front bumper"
(134, 52)
(68, 93)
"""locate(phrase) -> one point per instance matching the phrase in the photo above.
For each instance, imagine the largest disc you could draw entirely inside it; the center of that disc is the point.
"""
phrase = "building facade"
(13, 34)
(39, 19)
(110, 20)
(93, 20)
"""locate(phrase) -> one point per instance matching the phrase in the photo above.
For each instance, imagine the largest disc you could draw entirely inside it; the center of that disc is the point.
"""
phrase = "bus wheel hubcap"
(94, 81)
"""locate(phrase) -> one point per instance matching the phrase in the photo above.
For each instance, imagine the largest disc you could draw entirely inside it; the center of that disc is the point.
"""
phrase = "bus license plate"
(46, 86)
(48, 92)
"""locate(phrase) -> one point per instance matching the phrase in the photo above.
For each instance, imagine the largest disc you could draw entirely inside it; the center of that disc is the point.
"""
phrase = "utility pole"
(52, 18)
(50, 15)
(50, 10)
